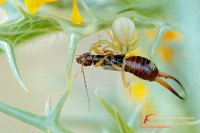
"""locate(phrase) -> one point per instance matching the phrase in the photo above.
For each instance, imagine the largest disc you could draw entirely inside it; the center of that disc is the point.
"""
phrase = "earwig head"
(85, 59)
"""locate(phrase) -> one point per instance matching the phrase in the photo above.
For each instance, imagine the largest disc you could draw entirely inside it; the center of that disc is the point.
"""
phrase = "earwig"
(136, 65)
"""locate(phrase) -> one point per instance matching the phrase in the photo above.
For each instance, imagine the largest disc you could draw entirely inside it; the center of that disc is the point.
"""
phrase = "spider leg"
(109, 33)
(109, 52)
(97, 51)
(101, 42)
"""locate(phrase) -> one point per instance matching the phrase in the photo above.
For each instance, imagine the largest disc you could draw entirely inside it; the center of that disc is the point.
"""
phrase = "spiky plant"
(93, 17)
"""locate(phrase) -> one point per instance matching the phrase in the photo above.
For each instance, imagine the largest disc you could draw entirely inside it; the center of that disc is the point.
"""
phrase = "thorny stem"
(50, 123)
(32, 119)
(58, 108)
(9, 51)
(161, 31)
(73, 42)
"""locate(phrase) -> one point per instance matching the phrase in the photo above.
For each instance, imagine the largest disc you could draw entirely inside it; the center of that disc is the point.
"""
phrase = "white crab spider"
(122, 37)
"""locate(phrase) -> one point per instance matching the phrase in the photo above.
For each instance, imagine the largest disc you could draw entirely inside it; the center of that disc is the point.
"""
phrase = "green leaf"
(29, 118)
(9, 51)
(58, 108)
(27, 27)
(123, 127)
(107, 107)
(46, 123)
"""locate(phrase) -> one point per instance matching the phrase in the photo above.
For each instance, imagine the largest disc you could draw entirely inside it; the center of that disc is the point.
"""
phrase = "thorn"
(21, 10)
(8, 49)
(48, 106)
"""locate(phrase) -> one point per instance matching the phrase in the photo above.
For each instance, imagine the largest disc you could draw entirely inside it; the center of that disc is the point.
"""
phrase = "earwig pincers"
(136, 65)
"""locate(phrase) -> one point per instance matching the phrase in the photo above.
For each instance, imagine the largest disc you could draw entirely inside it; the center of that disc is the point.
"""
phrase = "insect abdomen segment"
(142, 68)
(137, 65)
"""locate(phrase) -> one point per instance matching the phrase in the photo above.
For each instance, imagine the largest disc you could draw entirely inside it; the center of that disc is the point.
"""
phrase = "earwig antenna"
(82, 70)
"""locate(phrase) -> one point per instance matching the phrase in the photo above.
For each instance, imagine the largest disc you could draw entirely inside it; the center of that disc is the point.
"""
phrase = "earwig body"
(137, 65)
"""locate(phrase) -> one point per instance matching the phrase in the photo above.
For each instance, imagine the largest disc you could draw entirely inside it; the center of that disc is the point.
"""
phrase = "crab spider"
(123, 40)
(122, 37)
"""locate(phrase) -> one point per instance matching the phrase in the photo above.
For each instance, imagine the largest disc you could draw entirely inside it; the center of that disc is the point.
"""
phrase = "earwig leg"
(118, 68)
(100, 61)
(161, 74)
(126, 84)
(166, 85)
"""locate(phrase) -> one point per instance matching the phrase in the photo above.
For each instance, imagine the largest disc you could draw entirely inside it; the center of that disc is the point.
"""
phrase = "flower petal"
(2, 1)
(172, 36)
(75, 15)
(167, 53)
(34, 5)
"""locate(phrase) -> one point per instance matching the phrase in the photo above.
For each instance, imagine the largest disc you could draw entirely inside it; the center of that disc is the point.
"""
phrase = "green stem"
(29, 118)
(73, 42)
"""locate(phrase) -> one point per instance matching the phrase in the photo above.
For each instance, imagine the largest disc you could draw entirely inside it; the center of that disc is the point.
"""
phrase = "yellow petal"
(34, 5)
(166, 53)
(171, 36)
(138, 91)
(75, 15)
(168, 36)
(2, 1)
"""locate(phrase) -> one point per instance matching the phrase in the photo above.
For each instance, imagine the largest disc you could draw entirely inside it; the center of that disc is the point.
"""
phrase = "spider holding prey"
(123, 41)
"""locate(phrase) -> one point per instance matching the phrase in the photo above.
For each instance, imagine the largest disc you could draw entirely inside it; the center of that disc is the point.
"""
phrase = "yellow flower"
(168, 36)
(34, 5)
(75, 15)
(171, 36)
(166, 53)
(2, 1)
(138, 91)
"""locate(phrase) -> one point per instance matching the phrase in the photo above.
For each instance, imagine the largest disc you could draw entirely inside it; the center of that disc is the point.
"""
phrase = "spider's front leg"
(98, 44)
